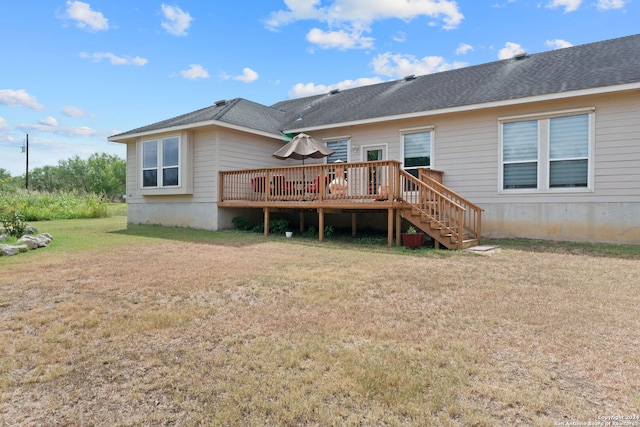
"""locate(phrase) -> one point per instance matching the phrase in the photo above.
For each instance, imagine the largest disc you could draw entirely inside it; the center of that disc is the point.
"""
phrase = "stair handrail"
(451, 225)
(474, 212)
(449, 210)
(446, 190)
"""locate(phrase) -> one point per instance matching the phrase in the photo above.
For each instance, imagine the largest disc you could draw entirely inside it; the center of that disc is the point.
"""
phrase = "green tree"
(106, 174)
(102, 174)
(46, 178)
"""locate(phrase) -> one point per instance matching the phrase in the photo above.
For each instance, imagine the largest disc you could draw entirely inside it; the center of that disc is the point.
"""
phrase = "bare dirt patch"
(281, 333)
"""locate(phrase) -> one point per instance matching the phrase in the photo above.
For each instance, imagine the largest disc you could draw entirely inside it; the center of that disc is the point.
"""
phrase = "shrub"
(278, 226)
(241, 223)
(329, 231)
(13, 222)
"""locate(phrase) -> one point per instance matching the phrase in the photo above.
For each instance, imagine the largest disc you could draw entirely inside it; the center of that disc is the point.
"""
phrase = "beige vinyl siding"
(617, 150)
(466, 150)
(132, 169)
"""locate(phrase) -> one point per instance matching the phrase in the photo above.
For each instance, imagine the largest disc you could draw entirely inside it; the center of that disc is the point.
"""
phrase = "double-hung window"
(520, 154)
(417, 150)
(161, 163)
(569, 151)
(547, 153)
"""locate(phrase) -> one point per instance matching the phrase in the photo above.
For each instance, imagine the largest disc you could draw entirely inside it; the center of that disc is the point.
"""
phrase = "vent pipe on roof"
(409, 77)
(334, 91)
(220, 102)
(520, 55)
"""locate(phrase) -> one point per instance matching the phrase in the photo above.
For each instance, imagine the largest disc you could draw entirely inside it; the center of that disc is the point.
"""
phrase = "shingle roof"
(601, 64)
(606, 63)
(237, 111)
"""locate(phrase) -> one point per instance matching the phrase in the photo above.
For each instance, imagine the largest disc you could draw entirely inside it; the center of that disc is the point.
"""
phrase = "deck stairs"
(451, 220)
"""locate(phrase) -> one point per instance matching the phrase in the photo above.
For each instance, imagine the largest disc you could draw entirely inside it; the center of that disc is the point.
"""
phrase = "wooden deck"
(356, 187)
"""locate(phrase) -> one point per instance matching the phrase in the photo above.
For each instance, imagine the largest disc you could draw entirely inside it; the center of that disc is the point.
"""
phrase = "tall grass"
(39, 206)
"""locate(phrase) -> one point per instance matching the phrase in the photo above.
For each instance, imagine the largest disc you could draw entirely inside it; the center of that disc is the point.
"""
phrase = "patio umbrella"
(301, 147)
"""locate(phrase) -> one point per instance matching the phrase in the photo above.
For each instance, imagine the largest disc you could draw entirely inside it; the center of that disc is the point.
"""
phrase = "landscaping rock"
(30, 230)
(25, 243)
(8, 250)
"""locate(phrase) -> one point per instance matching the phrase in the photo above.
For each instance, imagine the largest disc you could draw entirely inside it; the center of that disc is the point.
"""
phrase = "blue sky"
(73, 73)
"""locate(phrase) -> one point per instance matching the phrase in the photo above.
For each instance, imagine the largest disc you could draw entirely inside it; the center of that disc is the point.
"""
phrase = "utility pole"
(25, 149)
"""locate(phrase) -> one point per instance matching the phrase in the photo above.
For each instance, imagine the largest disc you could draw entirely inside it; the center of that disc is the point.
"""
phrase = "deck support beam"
(301, 221)
(390, 227)
(266, 222)
(398, 225)
(321, 224)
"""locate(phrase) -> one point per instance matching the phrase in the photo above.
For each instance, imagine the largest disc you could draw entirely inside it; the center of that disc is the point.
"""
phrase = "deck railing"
(335, 181)
(440, 205)
(361, 181)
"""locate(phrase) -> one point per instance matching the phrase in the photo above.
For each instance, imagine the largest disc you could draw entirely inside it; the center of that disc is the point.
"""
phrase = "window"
(546, 153)
(520, 154)
(160, 163)
(340, 148)
(417, 151)
(569, 151)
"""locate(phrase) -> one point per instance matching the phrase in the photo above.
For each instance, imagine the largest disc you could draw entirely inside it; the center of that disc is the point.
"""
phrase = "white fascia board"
(125, 138)
(473, 107)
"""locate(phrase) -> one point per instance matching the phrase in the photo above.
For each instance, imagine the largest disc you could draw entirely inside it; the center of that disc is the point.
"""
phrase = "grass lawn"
(154, 326)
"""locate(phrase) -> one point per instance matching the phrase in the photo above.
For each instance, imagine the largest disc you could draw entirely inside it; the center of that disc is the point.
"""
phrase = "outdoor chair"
(258, 184)
(280, 186)
(315, 186)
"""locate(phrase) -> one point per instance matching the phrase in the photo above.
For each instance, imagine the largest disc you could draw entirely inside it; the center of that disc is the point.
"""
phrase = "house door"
(375, 174)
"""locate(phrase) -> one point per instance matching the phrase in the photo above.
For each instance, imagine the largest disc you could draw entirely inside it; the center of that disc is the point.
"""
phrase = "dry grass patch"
(274, 332)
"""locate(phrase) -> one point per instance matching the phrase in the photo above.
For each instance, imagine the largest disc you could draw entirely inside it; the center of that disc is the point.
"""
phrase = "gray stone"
(26, 243)
(30, 230)
(8, 250)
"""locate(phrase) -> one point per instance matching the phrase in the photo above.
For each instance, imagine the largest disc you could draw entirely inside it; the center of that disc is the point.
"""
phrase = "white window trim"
(185, 165)
(432, 145)
(544, 149)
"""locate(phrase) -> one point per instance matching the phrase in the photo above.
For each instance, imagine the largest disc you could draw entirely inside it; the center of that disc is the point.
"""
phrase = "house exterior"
(547, 144)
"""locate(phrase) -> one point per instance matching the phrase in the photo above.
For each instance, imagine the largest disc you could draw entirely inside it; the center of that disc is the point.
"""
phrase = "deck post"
(321, 224)
(266, 222)
(390, 227)
(398, 225)
(301, 221)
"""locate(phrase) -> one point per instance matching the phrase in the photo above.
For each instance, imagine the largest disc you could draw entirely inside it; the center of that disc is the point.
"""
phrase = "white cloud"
(569, 5)
(308, 89)
(71, 111)
(114, 59)
(339, 39)
(558, 44)
(194, 72)
(611, 4)
(399, 65)
(509, 50)
(247, 76)
(365, 11)
(49, 121)
(348, 20)
(85, 17)
(400, 37)
(3, 124)
(463, 49)
(61, 130)
(176, 22)
(19, 98)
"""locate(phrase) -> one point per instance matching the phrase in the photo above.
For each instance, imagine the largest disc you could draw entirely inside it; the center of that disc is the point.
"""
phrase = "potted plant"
(412, 239)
